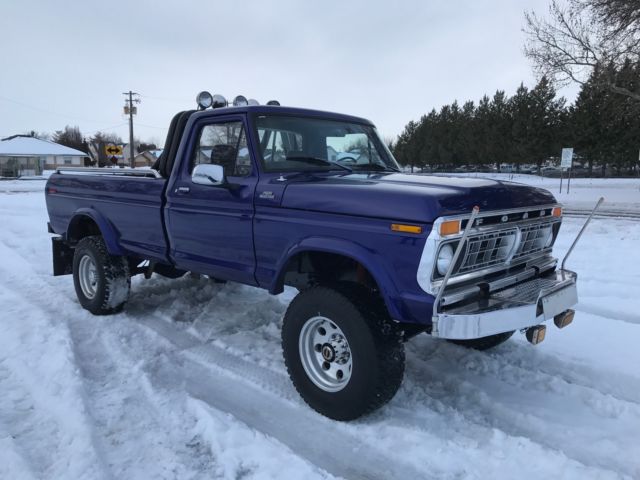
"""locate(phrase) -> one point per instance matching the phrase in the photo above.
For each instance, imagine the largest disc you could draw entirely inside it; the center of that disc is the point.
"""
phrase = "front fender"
(369, 259)
(108, 232)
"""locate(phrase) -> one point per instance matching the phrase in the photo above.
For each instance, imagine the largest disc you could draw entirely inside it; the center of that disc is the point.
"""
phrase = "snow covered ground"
(189, 381)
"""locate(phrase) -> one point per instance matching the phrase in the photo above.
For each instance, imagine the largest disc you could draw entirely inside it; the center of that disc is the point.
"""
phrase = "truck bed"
(127, 201)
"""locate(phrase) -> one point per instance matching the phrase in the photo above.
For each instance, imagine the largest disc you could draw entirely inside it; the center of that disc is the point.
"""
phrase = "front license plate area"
(559, 301)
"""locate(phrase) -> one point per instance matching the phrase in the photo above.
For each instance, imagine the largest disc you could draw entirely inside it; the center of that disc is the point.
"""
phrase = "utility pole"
(131, 110)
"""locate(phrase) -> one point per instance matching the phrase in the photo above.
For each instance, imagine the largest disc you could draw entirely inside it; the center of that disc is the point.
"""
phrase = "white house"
(24, 155)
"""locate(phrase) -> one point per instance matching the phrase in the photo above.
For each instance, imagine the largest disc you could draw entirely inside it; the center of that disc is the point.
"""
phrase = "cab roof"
(280, 110)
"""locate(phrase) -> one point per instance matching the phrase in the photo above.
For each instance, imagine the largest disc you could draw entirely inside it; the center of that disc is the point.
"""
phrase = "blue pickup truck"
(269, 196)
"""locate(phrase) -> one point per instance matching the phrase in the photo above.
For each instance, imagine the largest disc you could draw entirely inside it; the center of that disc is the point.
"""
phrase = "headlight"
(445, 255)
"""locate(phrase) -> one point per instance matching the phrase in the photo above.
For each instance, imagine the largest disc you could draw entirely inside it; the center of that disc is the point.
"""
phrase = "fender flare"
(107, 230)
(367, 258)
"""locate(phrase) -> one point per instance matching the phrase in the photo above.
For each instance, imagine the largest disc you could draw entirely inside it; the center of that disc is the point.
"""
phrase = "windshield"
(289, 143)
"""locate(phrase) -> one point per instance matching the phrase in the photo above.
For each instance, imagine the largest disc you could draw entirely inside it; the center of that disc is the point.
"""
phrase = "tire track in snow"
(527, 405)
(242, 403)
(100, 372)
(245, 383)
(266, 417)
(268, 380)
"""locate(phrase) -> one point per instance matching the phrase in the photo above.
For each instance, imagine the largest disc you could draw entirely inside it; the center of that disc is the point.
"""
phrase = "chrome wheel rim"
(325, 354)
(88, 277)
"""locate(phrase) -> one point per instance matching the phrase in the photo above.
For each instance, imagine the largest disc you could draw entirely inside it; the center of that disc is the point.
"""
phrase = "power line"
(48, 111)
(167, 99)
(105, 128)
(152, 126)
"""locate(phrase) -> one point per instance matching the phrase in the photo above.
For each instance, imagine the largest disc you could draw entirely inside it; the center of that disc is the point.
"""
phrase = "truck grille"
(500, 247)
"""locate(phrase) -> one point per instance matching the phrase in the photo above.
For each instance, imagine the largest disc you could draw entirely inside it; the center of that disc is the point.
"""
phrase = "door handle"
(182, 190)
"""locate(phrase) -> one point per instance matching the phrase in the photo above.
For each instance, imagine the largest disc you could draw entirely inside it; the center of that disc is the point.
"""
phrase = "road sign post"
(565, 163)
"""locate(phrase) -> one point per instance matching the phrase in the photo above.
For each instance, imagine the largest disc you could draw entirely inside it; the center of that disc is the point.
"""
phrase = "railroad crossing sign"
(112, 149)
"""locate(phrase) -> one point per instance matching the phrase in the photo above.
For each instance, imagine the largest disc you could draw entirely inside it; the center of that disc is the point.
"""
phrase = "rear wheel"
(484, 343)
(343, 355)
(102, 281)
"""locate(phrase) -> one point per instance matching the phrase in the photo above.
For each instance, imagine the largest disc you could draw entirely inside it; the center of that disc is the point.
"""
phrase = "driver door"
(210, 227)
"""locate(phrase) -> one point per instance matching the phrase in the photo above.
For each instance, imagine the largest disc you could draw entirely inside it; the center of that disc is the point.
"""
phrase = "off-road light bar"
(240, 101)
(219, 101)
(204, 100)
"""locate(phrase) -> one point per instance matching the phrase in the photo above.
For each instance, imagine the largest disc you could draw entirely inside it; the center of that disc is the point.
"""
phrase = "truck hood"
(415, 198)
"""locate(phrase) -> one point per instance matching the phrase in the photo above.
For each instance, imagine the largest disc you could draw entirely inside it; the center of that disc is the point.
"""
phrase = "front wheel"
(343, 355)
(101, 280)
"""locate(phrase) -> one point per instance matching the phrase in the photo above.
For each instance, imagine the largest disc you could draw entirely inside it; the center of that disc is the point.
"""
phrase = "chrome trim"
(117, 172)
(491, 213)
(426, 266)
(522, 306)
(533, 268)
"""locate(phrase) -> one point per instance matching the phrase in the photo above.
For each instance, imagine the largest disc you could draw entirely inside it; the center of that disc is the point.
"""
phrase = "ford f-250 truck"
(258, 194)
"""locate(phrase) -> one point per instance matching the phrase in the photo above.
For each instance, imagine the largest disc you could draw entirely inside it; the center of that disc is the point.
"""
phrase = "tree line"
(531, 127)
(72, 137)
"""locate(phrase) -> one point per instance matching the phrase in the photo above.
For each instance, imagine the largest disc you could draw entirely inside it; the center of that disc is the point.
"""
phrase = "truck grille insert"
(487, 250)
(534, 239)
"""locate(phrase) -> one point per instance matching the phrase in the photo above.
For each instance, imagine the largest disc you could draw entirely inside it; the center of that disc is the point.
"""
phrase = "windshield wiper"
(317, 161)
(376, 167)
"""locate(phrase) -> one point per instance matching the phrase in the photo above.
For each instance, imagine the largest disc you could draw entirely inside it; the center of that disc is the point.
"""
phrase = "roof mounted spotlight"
(240, 101)
(253, 102)
(273, 103)
(204, 100)
(219, 101)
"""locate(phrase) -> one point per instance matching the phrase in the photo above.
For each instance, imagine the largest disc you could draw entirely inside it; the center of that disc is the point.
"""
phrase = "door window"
(224, 144)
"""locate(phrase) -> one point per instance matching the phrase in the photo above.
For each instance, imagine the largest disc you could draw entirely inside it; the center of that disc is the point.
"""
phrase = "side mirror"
(208, 174)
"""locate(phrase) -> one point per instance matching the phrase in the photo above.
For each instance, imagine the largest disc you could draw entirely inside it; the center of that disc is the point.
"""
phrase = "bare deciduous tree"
(580, 35)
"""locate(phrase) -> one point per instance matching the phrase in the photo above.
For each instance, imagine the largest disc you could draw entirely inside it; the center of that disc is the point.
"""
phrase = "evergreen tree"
(71, 137)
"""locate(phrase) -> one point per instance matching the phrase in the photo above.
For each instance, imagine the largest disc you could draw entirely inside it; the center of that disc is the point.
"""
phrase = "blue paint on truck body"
(249, 233)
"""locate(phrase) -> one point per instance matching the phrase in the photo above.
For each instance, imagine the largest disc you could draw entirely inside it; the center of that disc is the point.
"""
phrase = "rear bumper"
(521, 306)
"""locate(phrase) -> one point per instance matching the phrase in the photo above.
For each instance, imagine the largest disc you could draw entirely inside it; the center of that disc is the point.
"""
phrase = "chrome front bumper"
(521, 306)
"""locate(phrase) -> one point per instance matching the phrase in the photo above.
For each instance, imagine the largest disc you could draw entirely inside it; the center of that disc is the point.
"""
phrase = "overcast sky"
(68, 62)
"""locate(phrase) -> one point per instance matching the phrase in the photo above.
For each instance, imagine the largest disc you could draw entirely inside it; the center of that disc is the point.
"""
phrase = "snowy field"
(189, 382)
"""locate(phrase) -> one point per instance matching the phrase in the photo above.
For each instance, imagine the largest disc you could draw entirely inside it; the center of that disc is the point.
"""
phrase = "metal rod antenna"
(454, 260)
(564, 260)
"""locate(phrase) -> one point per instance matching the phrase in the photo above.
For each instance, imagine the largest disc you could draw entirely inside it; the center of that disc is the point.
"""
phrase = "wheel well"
(80, 227)
(310, 268)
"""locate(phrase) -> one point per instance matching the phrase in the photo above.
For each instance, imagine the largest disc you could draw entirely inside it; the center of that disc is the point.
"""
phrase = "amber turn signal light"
(557, 212)
(450, 227)
(399, 227)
